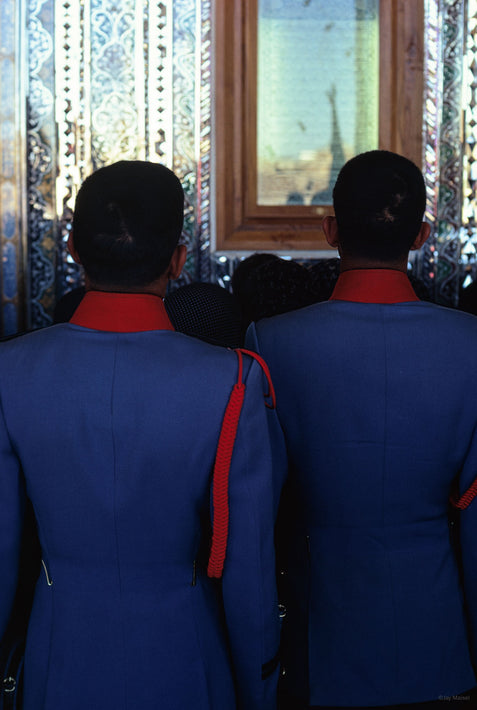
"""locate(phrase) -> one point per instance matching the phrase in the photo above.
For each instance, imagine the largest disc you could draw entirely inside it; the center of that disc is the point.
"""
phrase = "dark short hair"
(127, 222)
(273, 287)
(379, 200)
(206, 311)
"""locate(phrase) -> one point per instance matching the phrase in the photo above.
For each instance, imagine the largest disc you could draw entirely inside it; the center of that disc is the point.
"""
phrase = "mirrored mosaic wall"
(88, 82)
(84, 82)
(449, 259)
(448, 54)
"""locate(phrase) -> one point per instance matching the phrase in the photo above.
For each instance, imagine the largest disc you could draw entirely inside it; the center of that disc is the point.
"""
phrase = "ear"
(72, 250)
(330, 229)
(422, 237)
(177, 262)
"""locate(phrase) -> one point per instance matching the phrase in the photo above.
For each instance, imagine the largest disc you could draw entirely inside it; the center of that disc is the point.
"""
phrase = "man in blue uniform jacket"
(110, 425)
(377, 395)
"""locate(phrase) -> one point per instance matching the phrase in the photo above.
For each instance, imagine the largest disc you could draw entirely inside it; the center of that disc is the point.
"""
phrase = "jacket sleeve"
(468, 546)
(277, 437)
(12, 507)
(248, 582)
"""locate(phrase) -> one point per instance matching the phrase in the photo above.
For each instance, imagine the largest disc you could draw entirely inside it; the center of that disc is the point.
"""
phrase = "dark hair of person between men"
(379, 200)
(127, 222)
(206, 311)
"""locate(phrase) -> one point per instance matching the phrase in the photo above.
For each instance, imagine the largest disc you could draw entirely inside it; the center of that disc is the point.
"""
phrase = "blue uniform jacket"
(113, 437)
(379, 407)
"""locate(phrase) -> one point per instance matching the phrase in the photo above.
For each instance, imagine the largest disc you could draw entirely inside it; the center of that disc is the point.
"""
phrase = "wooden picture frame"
(242, 224)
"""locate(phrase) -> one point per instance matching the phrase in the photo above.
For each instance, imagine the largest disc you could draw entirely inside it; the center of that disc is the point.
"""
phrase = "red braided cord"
(223, 458)
(264, 366)
(466, 498)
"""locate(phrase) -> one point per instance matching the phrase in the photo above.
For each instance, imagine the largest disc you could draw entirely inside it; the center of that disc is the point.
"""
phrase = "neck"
(352, 263)
(155, 288)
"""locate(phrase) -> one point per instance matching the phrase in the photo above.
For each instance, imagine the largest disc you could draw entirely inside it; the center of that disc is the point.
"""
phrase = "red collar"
(373, 286)
(121, 312)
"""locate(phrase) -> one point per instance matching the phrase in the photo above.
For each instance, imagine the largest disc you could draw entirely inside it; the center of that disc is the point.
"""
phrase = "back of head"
(274, 287)
(127, 222)
(242, 276)
(324, 274)
(206, 311)
(244, 283)
(379, 200)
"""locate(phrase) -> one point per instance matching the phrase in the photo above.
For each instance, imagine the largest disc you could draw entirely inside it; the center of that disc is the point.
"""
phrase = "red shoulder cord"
(466, 498)
(223, 458)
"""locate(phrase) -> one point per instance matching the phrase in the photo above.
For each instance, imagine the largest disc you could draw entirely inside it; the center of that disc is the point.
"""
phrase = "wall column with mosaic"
(448, 260)
(13, 231)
